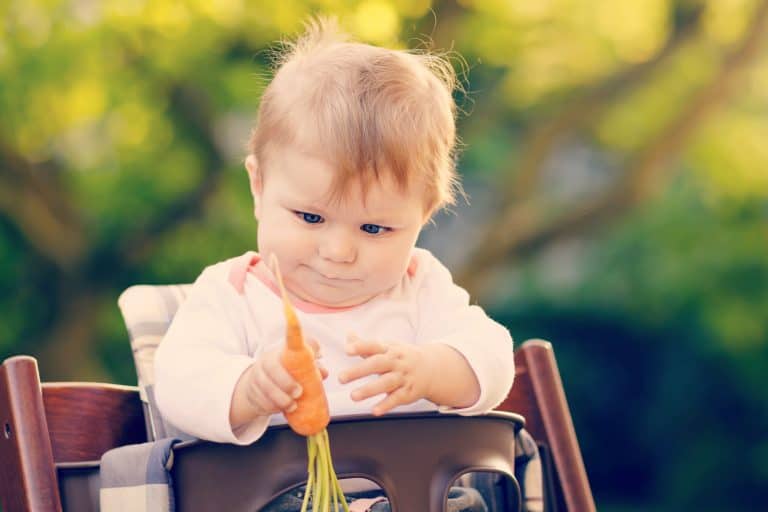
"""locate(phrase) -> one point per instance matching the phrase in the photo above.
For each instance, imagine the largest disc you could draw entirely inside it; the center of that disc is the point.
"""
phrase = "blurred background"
(615, 154)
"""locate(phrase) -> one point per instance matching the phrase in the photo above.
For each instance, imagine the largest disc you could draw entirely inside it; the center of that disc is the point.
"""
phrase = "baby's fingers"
(280, 377)
(266, 395)
(385, 384)
(315, 346)
(373, 365)
(398, 397)
(281, 400)
(363, 348)
(317, 351)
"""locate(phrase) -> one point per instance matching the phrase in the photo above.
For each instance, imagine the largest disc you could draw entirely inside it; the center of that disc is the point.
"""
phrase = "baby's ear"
(255, 180)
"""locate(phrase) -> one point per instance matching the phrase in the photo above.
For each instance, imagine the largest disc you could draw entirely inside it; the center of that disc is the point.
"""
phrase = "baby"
(351, 155)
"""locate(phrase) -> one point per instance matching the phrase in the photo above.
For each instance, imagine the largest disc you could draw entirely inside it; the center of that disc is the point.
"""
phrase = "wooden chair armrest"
(65, 422)
(108, 415)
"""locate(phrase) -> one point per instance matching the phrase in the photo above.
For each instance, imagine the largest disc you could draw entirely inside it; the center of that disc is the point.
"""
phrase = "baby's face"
(333, 254)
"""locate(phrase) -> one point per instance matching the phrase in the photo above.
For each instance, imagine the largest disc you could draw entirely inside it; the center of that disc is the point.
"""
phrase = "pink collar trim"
(250, 263)
(265, 276)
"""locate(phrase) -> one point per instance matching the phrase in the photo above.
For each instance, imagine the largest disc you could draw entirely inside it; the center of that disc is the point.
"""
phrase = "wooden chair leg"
(28, 473)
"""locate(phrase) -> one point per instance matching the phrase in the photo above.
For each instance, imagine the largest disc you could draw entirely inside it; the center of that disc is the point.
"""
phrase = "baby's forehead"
(314, 181)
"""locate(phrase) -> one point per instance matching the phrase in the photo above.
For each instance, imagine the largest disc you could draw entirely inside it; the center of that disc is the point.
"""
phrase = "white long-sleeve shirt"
(233, 312)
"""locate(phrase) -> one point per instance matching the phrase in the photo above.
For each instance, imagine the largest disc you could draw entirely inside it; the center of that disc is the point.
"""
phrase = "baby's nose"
(338, 247)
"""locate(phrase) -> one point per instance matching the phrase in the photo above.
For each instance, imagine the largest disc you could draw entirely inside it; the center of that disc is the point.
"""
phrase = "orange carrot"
(311, 414)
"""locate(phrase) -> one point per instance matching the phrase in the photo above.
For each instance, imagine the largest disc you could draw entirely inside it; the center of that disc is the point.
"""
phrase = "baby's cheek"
(385, 264)
(291, 245)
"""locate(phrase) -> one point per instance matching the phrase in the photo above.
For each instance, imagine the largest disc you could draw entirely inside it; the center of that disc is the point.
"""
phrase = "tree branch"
(523, 231)
(40, 209)
(586, 108)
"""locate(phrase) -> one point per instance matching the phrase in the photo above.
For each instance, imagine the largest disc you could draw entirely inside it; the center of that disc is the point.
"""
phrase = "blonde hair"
(370, 112)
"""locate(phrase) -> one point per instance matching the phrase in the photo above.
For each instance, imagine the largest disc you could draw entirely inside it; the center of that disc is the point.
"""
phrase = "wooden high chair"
(53, 435)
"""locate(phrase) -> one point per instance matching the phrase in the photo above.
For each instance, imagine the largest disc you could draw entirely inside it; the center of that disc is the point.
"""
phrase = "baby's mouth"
(334, 277)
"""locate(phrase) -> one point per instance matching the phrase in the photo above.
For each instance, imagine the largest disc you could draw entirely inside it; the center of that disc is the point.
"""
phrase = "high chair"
(55, 433)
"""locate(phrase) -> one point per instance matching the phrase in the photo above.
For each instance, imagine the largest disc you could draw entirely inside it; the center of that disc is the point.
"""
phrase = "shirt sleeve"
(201, 358)
(446, 316)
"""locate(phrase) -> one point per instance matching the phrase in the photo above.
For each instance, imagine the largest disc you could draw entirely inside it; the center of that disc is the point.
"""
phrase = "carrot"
(311, 416)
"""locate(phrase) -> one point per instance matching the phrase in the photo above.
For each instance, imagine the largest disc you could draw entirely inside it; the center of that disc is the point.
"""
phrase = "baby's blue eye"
(310, 218)
(373, 229)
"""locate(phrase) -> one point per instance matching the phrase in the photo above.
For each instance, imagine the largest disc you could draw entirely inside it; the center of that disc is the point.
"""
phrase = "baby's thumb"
(315, 346)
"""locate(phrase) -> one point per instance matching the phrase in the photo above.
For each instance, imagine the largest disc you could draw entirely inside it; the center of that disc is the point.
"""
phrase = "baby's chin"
(333, 298)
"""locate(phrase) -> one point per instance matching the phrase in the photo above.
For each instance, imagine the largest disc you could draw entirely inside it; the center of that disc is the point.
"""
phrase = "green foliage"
(120, 114)
(661, 329)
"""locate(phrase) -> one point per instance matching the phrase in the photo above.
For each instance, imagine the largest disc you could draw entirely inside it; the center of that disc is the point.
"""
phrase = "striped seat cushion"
(147, 312)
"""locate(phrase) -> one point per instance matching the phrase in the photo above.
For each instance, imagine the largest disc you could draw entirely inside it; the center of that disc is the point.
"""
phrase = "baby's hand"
(270, 388)
(405, 372)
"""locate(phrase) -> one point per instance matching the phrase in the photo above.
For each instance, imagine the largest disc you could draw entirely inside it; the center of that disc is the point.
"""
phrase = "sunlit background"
(615, 154)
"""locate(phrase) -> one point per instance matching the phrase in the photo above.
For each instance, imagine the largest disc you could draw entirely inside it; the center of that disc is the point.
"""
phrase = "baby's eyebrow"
(318, 205)
(390, 222)
(306, 204)
(380, 221)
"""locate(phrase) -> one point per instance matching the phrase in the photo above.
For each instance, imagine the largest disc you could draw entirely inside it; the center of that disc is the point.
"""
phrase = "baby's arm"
(463, 361)
(446, 317)
(409, 372)
(202, 358)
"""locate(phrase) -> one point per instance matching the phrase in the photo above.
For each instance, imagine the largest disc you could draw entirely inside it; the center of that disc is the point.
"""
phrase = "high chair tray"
(415, 457)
